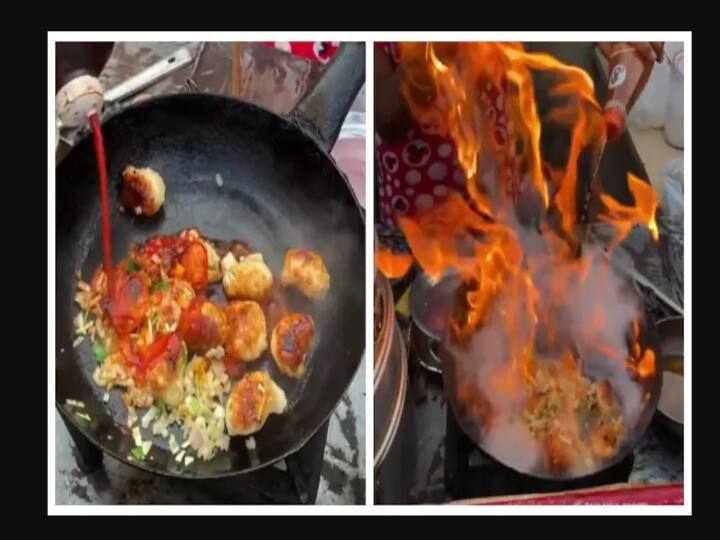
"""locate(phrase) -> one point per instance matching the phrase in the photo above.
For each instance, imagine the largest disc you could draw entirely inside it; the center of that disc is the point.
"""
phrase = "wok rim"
(289, 123)
(646, 415)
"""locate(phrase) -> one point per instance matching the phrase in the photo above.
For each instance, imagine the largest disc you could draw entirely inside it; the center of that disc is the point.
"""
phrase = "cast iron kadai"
(473, 425)
(280, 189)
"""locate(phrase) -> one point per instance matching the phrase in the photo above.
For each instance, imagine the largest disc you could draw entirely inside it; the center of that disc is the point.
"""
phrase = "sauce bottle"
(78, 90)
(629, 73)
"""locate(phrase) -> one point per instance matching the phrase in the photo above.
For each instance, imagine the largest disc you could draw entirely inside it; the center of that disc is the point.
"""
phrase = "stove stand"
(294, 480)
(88, 457)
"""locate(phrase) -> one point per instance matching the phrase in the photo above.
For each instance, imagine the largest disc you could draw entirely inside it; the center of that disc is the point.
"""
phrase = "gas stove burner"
(470, 473)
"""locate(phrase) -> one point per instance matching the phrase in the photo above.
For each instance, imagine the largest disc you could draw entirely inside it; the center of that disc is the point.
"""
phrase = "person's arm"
(649, 50)
(392, 117)
(631, 65)
(74, 58)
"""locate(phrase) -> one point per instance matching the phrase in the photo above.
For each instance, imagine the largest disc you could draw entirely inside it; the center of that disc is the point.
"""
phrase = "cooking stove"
(293, 480)
(451, 467)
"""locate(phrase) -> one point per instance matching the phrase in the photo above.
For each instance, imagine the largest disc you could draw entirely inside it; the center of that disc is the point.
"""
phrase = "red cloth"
(320, 51)
(418, 172)
(663, 494)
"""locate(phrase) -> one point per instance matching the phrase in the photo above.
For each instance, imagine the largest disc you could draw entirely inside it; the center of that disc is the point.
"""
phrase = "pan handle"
(322, 110)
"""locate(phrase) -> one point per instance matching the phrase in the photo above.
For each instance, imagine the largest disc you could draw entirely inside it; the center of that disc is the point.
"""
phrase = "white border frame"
(368, 508)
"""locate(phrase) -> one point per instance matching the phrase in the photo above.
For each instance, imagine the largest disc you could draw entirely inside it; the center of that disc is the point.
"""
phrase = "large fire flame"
(526, 286)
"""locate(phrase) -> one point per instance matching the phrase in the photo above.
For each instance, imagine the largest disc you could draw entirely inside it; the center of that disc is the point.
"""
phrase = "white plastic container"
(349, 152)
(674, 116)
(650, 108)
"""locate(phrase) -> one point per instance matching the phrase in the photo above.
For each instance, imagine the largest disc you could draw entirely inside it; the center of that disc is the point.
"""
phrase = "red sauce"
(165, 348)
(127, 302)
(161, 243)
(275, 306)
(296, 334)
(234, 368)
(167, 248)
(104, 199)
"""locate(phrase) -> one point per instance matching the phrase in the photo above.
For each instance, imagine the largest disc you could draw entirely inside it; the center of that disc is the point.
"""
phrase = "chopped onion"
(160, 425)
(223, 442)
(250, 443)
(79, 322)
(185, 444)
(106, 397)
(78, 341)
(148, 417)
(174, 448)
(180, 456)
(137, 437)
(194, 405)
(146, 446)
(218, 180)
(83, 416)
(75, 403)
(217, 353)
(196, 438)
(189, 460)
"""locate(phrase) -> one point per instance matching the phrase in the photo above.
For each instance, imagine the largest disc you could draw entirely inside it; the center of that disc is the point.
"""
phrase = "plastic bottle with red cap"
(629, 73)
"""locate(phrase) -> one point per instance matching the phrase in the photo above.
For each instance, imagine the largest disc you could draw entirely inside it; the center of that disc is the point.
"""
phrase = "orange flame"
(624, 218)
(393, 265)
(479, 236)
(646, 365)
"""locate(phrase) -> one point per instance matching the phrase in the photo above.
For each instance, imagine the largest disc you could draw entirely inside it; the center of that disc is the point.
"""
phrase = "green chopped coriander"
(160, 286)
(161, 409)
(132, 266)
(194, 405)
(138, 453)
(99, 352)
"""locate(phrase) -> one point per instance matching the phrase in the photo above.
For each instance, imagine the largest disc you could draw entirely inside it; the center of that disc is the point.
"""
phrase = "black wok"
(472, 424)
(280, 189)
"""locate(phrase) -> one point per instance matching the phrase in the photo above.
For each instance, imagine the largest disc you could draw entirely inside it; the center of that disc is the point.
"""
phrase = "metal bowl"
(394, 422)
(431, 306)
(670, 358)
